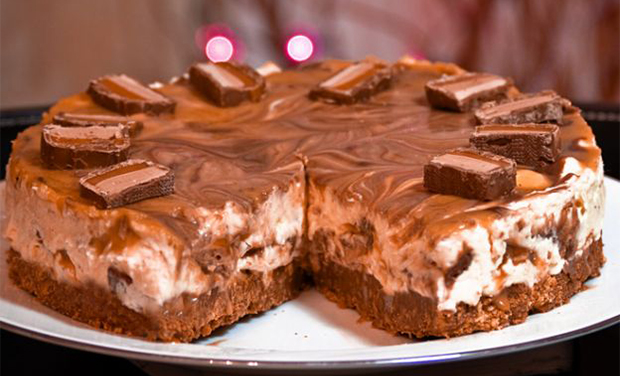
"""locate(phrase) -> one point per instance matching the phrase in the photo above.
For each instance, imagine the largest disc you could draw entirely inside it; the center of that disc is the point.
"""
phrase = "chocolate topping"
(126, 183)
(355, 83)
(127, 96)
(471, 173)
(227, 84)
(372, 153)
(95, 146)
(535, 145)
(466, 91)
(86, 120)
(545, 106)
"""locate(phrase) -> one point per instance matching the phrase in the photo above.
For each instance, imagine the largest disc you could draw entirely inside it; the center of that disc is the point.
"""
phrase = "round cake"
(434, 201)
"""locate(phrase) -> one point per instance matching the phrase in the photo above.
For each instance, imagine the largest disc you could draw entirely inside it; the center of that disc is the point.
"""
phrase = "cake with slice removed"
(283, 185)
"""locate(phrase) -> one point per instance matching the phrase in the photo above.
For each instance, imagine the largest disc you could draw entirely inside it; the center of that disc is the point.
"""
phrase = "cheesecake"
(374, 182)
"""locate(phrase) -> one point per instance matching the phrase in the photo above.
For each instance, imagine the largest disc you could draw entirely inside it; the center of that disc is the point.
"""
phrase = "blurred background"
(53, 48)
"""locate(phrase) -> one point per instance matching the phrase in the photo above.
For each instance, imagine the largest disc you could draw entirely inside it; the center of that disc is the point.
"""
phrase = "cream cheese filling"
(388, 261)
(158, 271)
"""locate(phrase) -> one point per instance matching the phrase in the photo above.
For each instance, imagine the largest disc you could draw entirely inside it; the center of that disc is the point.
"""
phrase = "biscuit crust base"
(406, 313)
(416, 316)
(247, 294)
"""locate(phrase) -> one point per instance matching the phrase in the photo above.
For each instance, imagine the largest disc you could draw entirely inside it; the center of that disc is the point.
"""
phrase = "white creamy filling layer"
(407, 268)
(274, 228)
(153, 264)
(482, 275)
(159, 272)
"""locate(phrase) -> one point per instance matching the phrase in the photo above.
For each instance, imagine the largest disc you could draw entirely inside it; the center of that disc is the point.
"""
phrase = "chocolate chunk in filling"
(75, 148)
(356, 83)
(125, 95)
(358, 239)
(227, 84)
(470, 173)
(535, 145)
(466, 91)
(126, 183)
(543, 107)
(118, 281)
(218, 257)
(67, 119)
(462, 264)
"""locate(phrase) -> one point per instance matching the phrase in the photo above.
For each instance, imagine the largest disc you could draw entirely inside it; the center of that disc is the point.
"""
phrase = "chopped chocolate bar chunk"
(467, 91)
(67, 119)
(535, 145)
(84, 147)
(227, 84)
(356, 83)
(268, 68)
(542, 107)
(127, 96)
(126, 183)
(471, 173)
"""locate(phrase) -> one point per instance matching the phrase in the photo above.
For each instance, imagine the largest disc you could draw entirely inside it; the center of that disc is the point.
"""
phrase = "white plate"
(311, 332)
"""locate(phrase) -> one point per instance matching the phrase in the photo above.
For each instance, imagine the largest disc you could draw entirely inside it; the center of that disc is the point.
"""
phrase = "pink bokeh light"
(299, 48)
(301, 43)
(219, 48)
(217, 41)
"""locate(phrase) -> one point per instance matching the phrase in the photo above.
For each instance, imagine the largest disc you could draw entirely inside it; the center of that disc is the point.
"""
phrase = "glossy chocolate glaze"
(372, 152)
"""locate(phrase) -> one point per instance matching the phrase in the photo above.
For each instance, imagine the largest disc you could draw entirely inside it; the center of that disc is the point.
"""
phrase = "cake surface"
(271, 190)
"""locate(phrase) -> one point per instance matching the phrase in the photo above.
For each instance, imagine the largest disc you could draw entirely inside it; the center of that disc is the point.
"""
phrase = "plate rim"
(407, 361)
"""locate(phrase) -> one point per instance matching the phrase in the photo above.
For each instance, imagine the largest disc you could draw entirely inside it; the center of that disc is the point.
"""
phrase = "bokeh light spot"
(219, 48)
(300, 48)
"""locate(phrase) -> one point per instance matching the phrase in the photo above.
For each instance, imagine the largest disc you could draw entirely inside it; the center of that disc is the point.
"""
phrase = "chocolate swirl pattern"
(263, 187)
(371, 152)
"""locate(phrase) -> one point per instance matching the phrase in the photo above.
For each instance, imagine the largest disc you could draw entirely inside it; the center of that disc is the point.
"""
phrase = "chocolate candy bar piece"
(227, 84)
(535, 145)
(467, 91)
(84, 147)
(67, 119)
(123, 94)
(471, 173)
(127, 182)
(356, 83)
(542, 107)
(268, 68)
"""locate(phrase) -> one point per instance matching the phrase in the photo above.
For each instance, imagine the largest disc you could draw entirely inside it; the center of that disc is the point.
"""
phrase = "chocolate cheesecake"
(385, 186)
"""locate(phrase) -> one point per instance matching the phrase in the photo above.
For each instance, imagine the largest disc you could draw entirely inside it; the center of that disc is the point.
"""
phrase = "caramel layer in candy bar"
(545, 106)
(227, 84)
(471, 173)
(466, 91)
(67, 119)
(356, 83)
(127, 96)
(535, 145)
(83, 147)
(126, 183)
